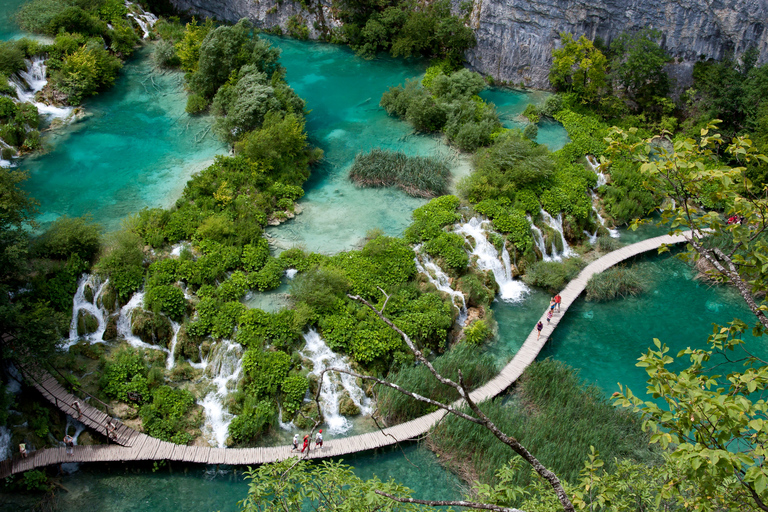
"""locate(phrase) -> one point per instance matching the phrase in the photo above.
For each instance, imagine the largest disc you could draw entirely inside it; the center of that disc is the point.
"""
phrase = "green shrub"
(449, 249)
(532, 113)
(553, 275)
(294, 388)
(67, 236)
(255, 419)
(196, 104)
(615, 282)
(265, 371)
(477, 293)
(268, 277)
(126, 373)
(123, 263)
(165, 417)
(320, 288)
(164, 56)
(166, 298)
(477, 333)
(257, 328)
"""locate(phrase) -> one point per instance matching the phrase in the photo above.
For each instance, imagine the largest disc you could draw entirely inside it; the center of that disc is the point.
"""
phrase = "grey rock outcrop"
(515, 38)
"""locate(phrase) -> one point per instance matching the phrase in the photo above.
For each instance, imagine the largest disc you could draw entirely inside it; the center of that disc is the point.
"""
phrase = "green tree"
(716, 423)
(638, 66)
(579, 67)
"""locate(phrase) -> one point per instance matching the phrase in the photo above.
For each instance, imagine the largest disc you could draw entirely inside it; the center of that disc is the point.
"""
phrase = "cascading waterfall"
(79, 303)
(171, 360)
(125, 331)
(144, 19)
(334, 383)
(73, 428)
(437, 277)
(510, 290)
(30, 82)
(601, 180)
(224, 366)
(538, 239)
(12, 388)
(556, 223)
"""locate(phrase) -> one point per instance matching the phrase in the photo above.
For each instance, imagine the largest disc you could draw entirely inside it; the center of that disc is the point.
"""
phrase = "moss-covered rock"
(110, 330)
(187, 346)
(151, 328)
(306, 416)
(88, 293)
(108, 299)
(347, 407)
(86, 323)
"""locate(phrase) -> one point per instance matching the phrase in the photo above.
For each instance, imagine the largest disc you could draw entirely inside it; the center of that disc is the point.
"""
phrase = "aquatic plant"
(415, 175)
(615, 282)
(553, 275)
(554, 414)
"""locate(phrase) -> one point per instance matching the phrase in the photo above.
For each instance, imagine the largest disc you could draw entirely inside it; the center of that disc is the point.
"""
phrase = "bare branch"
(481, 418)
(435, 503)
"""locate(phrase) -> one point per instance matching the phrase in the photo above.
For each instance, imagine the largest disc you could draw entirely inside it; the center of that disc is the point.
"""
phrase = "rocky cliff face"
(515, 38)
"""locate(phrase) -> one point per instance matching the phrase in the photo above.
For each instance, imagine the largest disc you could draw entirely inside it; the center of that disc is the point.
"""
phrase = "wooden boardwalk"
(132, 445)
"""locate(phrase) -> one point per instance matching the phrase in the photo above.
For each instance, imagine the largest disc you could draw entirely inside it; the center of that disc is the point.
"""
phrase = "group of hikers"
(318, 441)
(554, 303)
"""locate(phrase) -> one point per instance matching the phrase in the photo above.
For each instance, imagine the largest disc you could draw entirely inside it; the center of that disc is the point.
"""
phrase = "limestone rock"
(347, 407)
(515, 38)
(110, 331)
(86, 323)
(151, 328)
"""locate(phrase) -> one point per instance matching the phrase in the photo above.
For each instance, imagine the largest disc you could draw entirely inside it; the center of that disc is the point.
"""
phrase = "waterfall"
(224, 366)
(71, 467)
(5, 443)
(6, 163)
(30, 82)
(79, 303)
(601, 180)
(556, 223)
(144, 19)
(125, 331)
(437, 277)
(595, 166)
(323, 357)
(538, 240)
(13, 387)
(510, 290)
(171, 360)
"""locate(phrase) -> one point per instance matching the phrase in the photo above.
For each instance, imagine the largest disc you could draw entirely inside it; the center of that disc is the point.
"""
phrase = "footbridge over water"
(132, 445)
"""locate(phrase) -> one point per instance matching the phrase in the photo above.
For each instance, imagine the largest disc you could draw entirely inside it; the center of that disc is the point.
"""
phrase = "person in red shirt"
(306, 444)
(558, 299)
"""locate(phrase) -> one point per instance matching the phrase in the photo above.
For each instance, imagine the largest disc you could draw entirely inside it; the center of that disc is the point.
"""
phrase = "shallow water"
(8, 27)
(135, 149)
(190, 488)
(603, 340)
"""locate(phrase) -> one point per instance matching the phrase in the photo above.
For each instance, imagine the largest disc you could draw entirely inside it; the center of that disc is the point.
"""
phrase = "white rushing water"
(538, 240)
(334, 384)
(12, 388)
(510, 290)
(601, 180)
(436, 276)
(556, 223)
(223, 367)
(30, 82)
(80, 303)
(144, 19)
(171, 359)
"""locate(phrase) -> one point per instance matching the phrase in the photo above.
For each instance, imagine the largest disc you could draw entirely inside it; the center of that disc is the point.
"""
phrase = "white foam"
(79, 303)
(144, 19)
(224, 367)
(510, 290)
(323, 357)
(436, 276)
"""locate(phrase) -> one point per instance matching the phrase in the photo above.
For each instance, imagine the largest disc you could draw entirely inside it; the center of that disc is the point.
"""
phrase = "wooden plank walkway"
(137, 446)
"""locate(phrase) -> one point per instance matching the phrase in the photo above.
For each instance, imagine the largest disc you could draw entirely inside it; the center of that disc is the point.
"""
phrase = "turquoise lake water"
(188, 488)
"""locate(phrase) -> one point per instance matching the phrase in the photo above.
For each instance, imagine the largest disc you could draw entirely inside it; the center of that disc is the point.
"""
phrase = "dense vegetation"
(415, 175)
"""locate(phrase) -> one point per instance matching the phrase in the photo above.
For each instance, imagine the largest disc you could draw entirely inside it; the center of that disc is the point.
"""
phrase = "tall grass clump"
(417, 176)
(615, 282)
(553, 414)
(477, 369)
(553, 275)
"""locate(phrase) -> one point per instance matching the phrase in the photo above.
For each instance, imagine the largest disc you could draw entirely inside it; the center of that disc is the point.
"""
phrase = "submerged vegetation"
(417, 176)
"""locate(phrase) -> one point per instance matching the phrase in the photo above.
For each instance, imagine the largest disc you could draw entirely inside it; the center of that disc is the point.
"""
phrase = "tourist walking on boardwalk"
(76, 407)
(552, 304)
(295, 442)
(306, 444)
(69, 442)
(23, 450)
(558, 299)
(539, 327)
(549, 315)
(319, 439)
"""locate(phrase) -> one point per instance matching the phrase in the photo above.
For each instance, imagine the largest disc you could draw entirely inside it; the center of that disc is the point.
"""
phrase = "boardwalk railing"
(136, 446)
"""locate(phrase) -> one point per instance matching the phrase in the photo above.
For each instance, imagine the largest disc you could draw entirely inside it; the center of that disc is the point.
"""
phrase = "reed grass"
(415, 175)
(476, 367)
(615, 282)
(556, 417)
